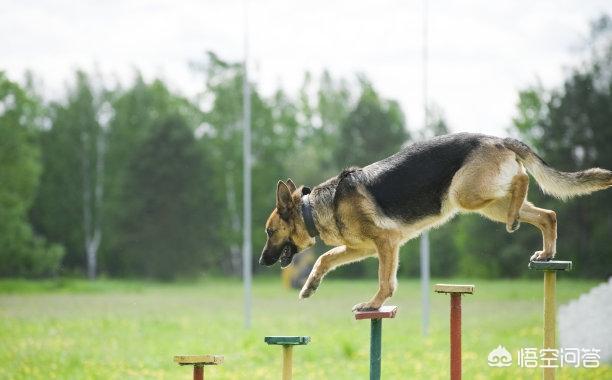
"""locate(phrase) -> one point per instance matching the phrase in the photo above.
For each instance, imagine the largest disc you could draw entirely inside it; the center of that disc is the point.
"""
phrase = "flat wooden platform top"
(198, 359)
(383, 312)
(287, 340)
(453, 288)
(550, 265)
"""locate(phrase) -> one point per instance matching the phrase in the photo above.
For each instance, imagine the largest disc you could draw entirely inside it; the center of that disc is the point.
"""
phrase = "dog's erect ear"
(291, 185)
(283, 199)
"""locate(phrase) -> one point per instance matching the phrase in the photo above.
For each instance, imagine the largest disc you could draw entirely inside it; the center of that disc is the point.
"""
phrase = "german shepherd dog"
(373, 210)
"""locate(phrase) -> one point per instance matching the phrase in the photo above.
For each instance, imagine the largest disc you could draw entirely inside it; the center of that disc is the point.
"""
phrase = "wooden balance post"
(198, 362)
(375, 317)
(287, 342)
(550, 269)
(455, 323)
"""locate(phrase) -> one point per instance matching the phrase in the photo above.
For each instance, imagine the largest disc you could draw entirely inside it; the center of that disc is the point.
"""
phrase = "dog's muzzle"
(285, 253)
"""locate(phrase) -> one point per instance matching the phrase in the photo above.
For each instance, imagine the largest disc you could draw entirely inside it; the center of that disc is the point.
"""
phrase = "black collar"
(308, 218)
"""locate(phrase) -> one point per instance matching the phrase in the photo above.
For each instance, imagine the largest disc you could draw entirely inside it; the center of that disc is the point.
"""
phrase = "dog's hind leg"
(388, 257)
(545, 220)
(328, 261)
(518, 196)
(492, 177)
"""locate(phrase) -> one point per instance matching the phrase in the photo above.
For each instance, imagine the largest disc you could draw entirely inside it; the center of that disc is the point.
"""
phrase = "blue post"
(375, 348)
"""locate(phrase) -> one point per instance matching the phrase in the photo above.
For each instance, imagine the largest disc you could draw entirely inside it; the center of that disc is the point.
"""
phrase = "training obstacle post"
(287, 342)
(455, 292)
(198, 362)
(550, 269)
(375, 317)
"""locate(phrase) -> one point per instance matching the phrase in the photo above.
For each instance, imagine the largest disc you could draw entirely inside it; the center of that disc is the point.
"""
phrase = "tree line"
(139, 180)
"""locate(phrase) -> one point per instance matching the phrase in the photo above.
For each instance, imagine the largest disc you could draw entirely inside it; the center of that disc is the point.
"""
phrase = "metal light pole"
(425, 281)
(425, 236)
(246, 151)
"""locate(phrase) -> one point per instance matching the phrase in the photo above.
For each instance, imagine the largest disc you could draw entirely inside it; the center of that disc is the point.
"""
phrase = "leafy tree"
(318, 112)
(68, 204)
(22, 253)
(136, 111)
(223, 91)
(373, 130)
(531, 110)
(171, 169)
(167, 189)
(571, 126)
(436, 123)
(273, 137)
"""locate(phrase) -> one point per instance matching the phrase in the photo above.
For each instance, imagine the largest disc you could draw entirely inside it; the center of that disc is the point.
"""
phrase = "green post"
(375, 317)
(375, 348)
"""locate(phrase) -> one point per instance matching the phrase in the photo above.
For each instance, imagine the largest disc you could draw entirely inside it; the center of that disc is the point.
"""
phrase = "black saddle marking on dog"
(521, 149)
(412, 183)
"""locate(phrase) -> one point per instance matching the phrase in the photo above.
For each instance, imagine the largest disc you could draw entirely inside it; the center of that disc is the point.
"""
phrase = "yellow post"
(286, 276)
(550, 285)
(550, 269)
(287, 362)
(287, 342)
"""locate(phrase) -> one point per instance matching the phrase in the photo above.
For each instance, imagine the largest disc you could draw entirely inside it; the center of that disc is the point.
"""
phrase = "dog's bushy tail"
(559, 184)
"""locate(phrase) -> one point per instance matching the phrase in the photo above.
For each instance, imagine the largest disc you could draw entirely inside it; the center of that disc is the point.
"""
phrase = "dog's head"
(287, 234)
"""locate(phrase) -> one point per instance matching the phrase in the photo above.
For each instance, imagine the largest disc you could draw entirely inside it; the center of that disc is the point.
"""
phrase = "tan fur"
(562, 185)
(492, 182)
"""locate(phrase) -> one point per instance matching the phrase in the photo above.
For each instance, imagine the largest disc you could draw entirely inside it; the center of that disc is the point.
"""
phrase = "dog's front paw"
(542, 256)
(308, 289)
(366, 306)
(305, 293)
(513, 226)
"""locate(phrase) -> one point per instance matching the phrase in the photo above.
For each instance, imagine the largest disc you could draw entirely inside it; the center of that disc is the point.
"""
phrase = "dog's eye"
(270, 231)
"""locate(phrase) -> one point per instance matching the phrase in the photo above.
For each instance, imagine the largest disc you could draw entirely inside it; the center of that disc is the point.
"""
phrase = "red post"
(198, 362)
(198, 372)
(455, 338)
(455, 292)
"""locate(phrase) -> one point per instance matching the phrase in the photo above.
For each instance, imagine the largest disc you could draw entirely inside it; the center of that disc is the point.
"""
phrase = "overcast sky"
(481, 52)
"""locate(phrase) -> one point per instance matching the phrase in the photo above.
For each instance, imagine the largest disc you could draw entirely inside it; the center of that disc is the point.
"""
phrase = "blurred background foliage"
(145, 182)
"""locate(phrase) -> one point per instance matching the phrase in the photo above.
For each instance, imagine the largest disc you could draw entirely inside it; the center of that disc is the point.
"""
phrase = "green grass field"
(131, 330)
